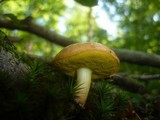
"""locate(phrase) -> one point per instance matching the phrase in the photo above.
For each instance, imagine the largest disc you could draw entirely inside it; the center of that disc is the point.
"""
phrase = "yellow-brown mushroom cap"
(100, 59)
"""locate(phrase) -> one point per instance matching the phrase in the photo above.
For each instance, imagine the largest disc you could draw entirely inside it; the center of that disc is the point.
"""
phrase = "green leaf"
(88, 3)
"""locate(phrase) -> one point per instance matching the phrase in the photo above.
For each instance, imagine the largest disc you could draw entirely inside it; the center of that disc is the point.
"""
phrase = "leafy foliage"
(136, 19)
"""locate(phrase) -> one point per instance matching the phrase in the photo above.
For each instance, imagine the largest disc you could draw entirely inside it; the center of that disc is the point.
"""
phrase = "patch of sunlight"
(156, 17)
(104, 22)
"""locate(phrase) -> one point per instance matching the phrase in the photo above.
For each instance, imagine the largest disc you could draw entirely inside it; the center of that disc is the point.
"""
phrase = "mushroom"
(88, 61)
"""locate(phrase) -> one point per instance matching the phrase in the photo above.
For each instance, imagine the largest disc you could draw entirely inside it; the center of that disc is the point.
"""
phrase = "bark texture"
(15, 69)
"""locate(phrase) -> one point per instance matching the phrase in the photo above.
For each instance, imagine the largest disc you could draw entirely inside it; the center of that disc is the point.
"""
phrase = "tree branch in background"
(137, 57)
(27, 25)
(128, 85)
(14, 38)
(146, 77)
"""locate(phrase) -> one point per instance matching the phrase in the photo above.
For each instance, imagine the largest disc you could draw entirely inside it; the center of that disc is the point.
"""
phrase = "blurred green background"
(134, 25)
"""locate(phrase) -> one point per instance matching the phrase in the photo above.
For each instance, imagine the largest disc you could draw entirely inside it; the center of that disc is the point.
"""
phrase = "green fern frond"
(120, 100)
(101, 102)
(36, 70)
(103, 90)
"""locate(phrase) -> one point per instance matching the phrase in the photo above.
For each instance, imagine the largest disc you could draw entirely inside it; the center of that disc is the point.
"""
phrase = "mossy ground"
(45, 94)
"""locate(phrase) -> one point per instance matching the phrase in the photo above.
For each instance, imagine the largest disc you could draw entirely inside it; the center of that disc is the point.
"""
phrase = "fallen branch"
(138, 57)
(146, 77)
(141, 77)
(27, 25)
(128, 85)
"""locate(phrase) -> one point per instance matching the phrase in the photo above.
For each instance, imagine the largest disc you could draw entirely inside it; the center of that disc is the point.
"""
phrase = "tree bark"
(15, 69)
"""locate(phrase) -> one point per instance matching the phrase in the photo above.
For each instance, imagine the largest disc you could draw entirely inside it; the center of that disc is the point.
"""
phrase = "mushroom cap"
(100, 59)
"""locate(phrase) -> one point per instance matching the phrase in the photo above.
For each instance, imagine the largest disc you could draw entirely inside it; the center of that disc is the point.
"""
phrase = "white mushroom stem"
(83, 84)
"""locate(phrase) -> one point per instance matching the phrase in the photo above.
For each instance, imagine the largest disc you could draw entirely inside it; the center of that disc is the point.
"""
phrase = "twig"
(141, 77)
(123, 83)
(146, 77)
